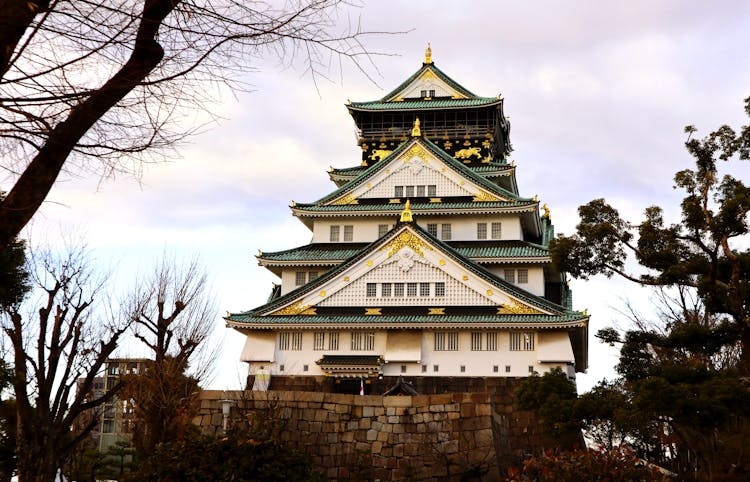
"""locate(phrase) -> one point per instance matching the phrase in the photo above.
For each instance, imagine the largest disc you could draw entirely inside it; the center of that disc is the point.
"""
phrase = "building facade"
(426, 264)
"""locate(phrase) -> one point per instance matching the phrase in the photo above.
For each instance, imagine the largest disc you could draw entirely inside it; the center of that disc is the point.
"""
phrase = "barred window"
(432, 190)
(521, 341)
(385, 290)
(476, 340)
(409, 191)
(398, 290)
(439, 289)
(510, 275)
(333, 340)
(481, 230)
(372, 290)
(319, 340)
(312, 275)
(398, 191)
(296, 340)
(284, 340)
(363, 340)
(523, 276)
(299, 278)
(446, 341)
(420, 191)
(497, 230)
(424, 289)
(382, 229)
(335, 233)
(432, 229)
(348, 232)
(411, 289)
(445, 231)
(432, 92)
(491, 339)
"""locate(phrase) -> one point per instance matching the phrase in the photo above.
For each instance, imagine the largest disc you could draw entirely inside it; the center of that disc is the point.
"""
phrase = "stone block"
(427, 417)
(397, 401)
(379, 411)
(483, 397)
(467, 409)
(437, 408)
(364, 423)
(420, 400)
(453, 415)
(341, 408)
(483, 409)
(401, 411)
(368, 411)
(371, 400)
(383, 436)
(376, 447)
(398, 450)
(346, 437)
(321, 416)
(372, 435)
(452, 407)
(393, 419)
(418, 418)
(398, 428)
(375, 425)
(441, 399)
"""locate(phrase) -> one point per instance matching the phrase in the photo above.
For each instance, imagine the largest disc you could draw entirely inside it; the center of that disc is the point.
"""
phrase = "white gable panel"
(456, 292)
(428, 81)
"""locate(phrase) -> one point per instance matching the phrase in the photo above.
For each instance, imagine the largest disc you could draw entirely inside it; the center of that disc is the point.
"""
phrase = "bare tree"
(59, 347)
(95, 86)
(173, 313)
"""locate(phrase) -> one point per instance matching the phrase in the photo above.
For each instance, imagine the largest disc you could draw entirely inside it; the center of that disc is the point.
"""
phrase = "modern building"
(117, 415)
(426, 264)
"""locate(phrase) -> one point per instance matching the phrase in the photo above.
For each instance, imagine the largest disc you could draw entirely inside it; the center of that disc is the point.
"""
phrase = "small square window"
(439, 289)
(531, 368)
(523, 276)
(432, 92)
(463, 368)
(435, 368)
(398, 191)
(372, 290)
(420, 191)
(510, 275)
(398, 290)
(299, 278)
(497, 230)
(305, 368)
(432, 229)
(424, 289)
(312, 275)
(424, 368)
(432, 190)
(481, 230)
(409, 191)
(382, 229)
(281, 368)
(403, 368)
(411, 289)
(507, 368)
(423, 93)
(495, 368)
(348, 232)
(445, 231)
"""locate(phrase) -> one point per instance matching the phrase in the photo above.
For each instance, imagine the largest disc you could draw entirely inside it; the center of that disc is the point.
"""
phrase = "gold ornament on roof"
(406, 213)
(428, 54)
(293, 309)
(415, 131)
(546, 211)
(514, 308)
(484, 196)
(348, 199)
(406, 239)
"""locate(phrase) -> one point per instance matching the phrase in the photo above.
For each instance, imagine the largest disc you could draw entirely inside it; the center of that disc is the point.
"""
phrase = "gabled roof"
(436, 151)
(461, 97)
(293, 302)
(490, 169)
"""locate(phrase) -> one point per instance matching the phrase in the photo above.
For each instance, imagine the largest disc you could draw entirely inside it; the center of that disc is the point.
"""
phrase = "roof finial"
(546, 211)
(416, 131)
(428, 54)
(406, 213)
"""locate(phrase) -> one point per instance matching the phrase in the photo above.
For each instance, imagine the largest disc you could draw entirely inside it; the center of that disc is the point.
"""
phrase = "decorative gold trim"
(406, 238)
(294, 309)
(435, 311)
(442, 262)
(436, 200)
(416, 151)
(483, 197)
(416, 131)
(427, 75)
(546, 211)
(346, 279)
(490, 293)
(394, 201)
(514, 308)
(310, 311)
(373, 311)
(428, 54)
(369, 262)
(406, 213)
(322, 293)
(348, 199)
(465, 278)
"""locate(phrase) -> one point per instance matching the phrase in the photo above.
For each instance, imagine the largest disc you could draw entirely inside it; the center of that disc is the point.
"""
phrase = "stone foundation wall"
(453, 436)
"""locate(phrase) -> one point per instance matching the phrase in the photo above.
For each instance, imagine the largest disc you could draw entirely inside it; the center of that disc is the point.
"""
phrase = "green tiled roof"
(458, 167)
(430, 320)
(350, 360)
(480, 169)
(474, 250)
(416, 207)
(439, 73)
(425, 104)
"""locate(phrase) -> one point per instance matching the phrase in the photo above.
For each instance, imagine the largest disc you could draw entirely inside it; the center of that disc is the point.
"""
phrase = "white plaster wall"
(536, 276)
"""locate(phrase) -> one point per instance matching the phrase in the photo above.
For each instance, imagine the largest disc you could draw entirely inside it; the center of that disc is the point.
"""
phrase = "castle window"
(372, 290)
(432, 229)
(296, 340)
(432, 92)
(424, 289)
(432, 190)
(382, 229)
(497, 231)
(403, 368)
(335, 230)
(420, 191)
(491, 339)
(507, 368)
(521, 341)
(333, 340)
(523, 276)
(385, 290)
(305, 368)
(424, 368)
(284, 340)
(409, 191)
(312, 275)
(435, 368)
(531, 368)
(481, 230)
(363, 340)
(446, 341)
(290, 340)
(281, 368)
(348, 232)
(319, 340)
(299, 278)
(510, 275)
(445, 231)
(495, 368)
(398, 191)
(398, 290)
(481, 341)
(411, 289)
(463, 368)
(423, 93)
(439, 289)
(476, 340)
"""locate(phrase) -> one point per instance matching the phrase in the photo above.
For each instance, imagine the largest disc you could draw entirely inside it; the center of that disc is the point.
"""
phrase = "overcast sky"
(598, 94)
